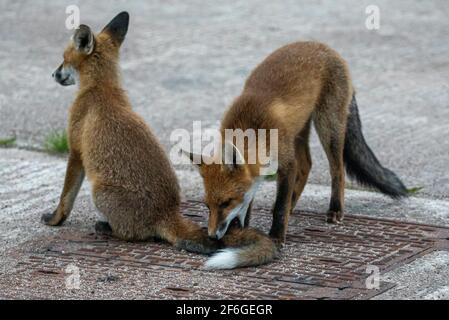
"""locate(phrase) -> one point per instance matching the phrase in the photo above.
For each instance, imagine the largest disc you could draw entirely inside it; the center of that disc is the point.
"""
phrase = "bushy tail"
(361, 163)
(186, 235)
(243, 248)
(238, 248)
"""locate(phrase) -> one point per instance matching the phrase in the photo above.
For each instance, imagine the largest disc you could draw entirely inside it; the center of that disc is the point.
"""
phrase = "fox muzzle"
(64, 76)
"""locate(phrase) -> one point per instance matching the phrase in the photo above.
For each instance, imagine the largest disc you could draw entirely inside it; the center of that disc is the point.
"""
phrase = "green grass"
(413, 191)
(56, 142)
(7, 142)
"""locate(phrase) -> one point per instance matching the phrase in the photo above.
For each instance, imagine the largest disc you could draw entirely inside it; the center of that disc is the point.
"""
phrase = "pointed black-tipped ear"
(84, 39)
(118, 27)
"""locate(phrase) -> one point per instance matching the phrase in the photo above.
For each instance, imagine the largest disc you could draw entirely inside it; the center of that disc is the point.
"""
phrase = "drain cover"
(319, 261)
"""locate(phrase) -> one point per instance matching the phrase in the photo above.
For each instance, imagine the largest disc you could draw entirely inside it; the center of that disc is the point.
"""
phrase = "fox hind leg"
(330, 123)
(125, 213)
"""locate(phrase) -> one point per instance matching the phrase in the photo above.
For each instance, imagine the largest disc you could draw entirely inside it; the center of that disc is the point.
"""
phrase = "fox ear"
(118, 27)
(84, 39)
(231, 156)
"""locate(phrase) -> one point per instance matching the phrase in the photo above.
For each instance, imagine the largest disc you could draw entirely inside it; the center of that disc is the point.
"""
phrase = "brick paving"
(319, 261)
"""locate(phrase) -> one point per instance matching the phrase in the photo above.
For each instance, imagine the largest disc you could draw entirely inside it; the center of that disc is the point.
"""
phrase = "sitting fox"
(298, 84)
(133, 184)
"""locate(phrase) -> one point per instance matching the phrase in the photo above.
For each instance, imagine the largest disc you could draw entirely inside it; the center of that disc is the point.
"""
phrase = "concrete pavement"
(186, 60)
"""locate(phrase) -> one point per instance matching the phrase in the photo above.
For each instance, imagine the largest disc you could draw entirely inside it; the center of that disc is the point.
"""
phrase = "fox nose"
(56, 75)
(213, 236)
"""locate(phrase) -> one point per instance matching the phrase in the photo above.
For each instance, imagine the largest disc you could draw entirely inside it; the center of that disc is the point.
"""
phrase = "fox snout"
(218, 232)
(64, 76)
(219, 222)
(213, 235)
(217, 226)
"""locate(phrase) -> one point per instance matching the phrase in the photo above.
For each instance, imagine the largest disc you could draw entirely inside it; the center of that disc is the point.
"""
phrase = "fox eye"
(225, 204)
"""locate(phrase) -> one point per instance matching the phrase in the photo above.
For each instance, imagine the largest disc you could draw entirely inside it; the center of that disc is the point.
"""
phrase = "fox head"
(87, 52)
(229, 189)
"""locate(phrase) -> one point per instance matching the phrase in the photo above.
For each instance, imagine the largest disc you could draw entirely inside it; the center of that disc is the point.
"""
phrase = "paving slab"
(424, 278)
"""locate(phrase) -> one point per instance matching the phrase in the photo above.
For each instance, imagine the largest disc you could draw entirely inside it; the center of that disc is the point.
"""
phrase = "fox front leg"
(248, 215)
(282, 206)
(73, 179)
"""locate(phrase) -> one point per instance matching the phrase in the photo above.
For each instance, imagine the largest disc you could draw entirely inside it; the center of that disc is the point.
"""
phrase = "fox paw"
(334, 217)
(103, 228)
(52, 219)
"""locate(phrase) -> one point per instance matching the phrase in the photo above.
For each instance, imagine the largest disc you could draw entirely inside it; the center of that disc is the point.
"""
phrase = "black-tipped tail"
(361, 163)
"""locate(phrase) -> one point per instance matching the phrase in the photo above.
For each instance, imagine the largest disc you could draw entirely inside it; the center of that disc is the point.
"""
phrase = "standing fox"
(133, 184)
(298, 84)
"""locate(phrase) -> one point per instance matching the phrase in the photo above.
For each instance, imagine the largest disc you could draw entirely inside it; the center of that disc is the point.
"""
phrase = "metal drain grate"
(319, 261)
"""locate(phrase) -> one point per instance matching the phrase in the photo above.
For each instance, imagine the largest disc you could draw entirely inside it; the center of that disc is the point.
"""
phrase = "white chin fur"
(224, 259)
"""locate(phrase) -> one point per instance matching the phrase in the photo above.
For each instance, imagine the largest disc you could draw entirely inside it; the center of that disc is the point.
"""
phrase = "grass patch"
(56, 142)
(271, 177)
(8, 142)
(413, 191)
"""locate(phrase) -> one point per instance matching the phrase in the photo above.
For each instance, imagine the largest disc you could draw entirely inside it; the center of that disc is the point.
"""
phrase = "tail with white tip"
(243, 248)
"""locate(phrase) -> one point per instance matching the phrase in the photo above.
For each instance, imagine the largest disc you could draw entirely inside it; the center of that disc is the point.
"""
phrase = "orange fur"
(296, 84)
(133, 183)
